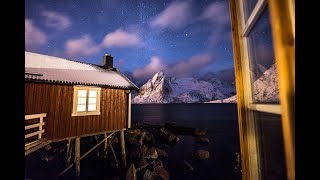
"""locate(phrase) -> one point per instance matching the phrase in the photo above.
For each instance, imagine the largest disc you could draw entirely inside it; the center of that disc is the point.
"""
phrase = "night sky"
(144, 36)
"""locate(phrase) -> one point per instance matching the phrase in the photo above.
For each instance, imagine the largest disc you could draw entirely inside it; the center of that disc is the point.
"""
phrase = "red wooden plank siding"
(57, 102)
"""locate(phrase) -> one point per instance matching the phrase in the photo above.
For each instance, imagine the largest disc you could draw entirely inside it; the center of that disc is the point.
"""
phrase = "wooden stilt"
(77, 156)
(96, 137)
(123, 149)
(69, 150)
(105, 147)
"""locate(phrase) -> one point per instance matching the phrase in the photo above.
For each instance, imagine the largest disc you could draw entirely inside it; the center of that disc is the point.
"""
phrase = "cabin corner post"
(77, 156)
(123, 149)
(129, 110)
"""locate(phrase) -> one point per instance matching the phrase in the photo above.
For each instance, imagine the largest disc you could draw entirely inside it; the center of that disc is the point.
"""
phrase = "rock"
(132, 140)
(47, 158)
(161, 173)
(135, 152)
(143, 164)
(151, 153)
(135, 132)
(148, 175)
(169, 124)
(168, 137)
(131, 173)
(141, 138)
(201, 154)
(161, 153)
(159, 163)
(199, 132)
(149, 138)
(48, 147)
(201, 140)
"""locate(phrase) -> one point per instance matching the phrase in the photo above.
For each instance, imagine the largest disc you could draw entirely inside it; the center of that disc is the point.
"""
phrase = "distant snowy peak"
(265, 88)
(163, 89)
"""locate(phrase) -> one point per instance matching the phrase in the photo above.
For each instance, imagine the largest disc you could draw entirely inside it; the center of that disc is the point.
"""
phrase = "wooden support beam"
(80, 158)
(114, 155)
(77, 156)
(105, 147)
(123, 149)
(35, 148)
(69, 150)
(90, 150)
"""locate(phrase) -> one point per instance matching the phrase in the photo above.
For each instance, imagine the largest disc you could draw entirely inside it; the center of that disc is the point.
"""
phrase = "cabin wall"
(57, 102)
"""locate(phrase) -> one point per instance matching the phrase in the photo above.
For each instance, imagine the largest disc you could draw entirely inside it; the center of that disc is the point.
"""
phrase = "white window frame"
(75, 101)
(247, 27)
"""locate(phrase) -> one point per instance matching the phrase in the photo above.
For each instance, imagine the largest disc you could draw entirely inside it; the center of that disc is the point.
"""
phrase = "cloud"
(81, 46)
(182, 68)
(191, 65)
(217, 13)
(56, 20)
(120, 38)
(33, 35)
(149, 70)
(175, 16)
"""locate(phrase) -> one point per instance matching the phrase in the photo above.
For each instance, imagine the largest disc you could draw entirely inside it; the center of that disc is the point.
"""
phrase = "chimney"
(107, 62)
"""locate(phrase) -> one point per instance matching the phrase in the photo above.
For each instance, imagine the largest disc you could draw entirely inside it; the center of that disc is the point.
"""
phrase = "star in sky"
(135, 32)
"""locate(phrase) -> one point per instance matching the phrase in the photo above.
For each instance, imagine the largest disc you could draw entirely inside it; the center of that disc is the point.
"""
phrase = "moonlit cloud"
(182, 68)
(191, 65)
(33, 35)
(120, 38)
(81, 46)
(149, 70)
(56, 20)
(177, 15)
(217, 13)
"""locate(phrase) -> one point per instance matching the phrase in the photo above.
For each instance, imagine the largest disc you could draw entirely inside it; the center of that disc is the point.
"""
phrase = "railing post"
(40, 127)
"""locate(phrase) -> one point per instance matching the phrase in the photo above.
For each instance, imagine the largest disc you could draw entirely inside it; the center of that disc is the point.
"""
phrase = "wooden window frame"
(75, 101)
(283, 35)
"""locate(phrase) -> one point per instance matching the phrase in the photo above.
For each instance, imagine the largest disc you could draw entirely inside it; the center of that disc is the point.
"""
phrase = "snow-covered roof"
(44, 68)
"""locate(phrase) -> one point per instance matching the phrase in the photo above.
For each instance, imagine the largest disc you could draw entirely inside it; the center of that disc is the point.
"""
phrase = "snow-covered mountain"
(265, 88)
(164, 89)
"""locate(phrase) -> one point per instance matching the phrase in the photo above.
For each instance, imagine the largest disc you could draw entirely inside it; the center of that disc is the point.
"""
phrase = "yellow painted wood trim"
(268, 108)
(254, 16)
(282, 26)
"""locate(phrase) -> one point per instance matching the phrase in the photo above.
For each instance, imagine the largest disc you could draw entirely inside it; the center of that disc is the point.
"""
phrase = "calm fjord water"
(222, 124)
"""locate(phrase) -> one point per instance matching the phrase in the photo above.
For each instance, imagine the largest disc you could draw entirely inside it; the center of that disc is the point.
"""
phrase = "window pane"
(262, 61)
(82, 100)
(92, 100)
(92, 93)
(271, 145)
(82, 93)
(81, 108)
(248, 7)
(92, 107)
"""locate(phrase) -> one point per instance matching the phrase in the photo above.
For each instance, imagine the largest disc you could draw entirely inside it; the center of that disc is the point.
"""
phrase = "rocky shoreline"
(147, 147)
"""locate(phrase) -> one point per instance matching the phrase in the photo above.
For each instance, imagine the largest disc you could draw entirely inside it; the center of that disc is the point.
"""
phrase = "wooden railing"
(40, 124)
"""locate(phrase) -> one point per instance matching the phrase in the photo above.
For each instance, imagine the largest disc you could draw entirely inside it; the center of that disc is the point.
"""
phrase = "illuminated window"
(86, 101)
